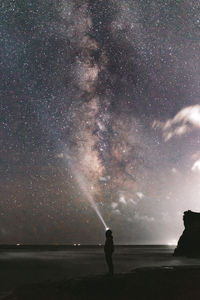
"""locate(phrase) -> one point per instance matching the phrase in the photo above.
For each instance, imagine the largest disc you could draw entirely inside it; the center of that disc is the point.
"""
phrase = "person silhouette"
(108, 250)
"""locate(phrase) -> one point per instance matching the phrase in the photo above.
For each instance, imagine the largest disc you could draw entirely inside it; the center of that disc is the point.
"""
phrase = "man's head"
(108, 233)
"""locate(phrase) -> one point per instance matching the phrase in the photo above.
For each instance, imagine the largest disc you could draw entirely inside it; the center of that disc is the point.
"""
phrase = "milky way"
(98, 98)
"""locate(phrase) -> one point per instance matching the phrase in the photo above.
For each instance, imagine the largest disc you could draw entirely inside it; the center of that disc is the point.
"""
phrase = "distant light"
(74, 244)
(172, 243)
(18, 244)
(79, 244)
(99, 245)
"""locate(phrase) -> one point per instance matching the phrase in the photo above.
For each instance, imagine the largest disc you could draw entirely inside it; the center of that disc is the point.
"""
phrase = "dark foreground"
(174, 283)
(45, 273)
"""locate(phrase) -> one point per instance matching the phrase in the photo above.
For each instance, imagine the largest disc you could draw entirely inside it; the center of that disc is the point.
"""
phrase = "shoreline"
(166, 282)
(75, 246)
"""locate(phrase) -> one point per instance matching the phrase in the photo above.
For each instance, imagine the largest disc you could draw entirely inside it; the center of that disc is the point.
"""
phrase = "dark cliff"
(189, 242)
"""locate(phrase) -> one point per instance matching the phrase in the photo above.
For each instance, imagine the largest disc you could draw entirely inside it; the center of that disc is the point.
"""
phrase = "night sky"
(99, 101)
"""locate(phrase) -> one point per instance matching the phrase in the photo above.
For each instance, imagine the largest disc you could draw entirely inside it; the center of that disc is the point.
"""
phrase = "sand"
(173, 283)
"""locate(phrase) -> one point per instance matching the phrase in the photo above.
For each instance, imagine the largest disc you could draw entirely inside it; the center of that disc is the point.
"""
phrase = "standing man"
(108, 250)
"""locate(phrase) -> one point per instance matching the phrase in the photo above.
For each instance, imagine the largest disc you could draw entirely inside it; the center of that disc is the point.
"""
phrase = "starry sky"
(99, 107)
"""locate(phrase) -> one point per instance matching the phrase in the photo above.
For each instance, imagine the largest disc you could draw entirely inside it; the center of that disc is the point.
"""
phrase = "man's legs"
(110, 263)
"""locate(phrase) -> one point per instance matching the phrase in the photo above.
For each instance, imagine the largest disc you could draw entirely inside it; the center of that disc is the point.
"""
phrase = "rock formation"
(189, 242)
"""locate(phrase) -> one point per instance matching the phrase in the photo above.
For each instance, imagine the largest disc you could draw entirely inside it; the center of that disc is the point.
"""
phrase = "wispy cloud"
(114, 205)
(144, 218)
(140, 195)
(122, 199)
(196, 166)
(184, 121)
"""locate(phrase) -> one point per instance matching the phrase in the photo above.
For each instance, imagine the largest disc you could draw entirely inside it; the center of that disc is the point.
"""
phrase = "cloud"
(60, 155)
(140, 195)
(117, 212)
(144, 218)
(184, 121)
(114, 205)
(132, 201)
(122, 200)
(104, 179)
(196, 166)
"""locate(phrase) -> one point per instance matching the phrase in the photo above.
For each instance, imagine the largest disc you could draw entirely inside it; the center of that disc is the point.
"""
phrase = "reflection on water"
(128, 256)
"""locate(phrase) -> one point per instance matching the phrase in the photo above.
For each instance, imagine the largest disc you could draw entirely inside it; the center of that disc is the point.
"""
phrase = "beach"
(178, 283)
(49, 270)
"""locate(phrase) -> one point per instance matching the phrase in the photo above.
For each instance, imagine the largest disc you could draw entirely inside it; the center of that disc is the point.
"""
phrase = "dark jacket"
(109, 247)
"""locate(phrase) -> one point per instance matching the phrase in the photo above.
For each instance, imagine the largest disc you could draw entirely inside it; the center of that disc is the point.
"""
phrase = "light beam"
(84, 186)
